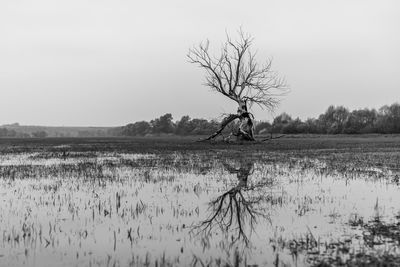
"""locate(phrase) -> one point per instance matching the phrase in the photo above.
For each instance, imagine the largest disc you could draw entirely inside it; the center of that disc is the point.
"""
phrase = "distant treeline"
(166, 125)
(20, 131)
(5, 132)
(335, 120)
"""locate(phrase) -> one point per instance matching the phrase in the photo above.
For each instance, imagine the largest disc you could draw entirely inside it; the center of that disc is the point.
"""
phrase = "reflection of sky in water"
(69, 220)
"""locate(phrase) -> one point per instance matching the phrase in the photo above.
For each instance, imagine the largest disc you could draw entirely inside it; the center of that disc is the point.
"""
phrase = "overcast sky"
(111, 62)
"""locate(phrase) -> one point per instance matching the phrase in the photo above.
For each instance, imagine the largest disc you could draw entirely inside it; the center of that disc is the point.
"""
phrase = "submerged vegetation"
(169, 202)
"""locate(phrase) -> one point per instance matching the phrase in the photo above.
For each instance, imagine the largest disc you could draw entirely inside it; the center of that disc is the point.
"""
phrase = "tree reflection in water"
(238, 209)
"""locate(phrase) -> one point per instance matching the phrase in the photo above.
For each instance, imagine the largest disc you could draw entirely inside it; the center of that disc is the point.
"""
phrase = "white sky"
(111, 62)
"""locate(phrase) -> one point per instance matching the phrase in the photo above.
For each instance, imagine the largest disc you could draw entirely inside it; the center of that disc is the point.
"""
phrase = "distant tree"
(388, 119)
(236, 75)
(142, 128)
(333, 120)
(312, 125)
(360, 121)
(163, 124)
(280, 122)
(294, 127)
(201, 127)
(184, 126)
(283, 118)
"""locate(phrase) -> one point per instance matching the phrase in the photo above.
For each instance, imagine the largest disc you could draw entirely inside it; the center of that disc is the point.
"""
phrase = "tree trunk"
(246, 126)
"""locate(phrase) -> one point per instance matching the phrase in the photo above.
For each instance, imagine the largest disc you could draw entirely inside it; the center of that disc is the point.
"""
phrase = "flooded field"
(292, 203)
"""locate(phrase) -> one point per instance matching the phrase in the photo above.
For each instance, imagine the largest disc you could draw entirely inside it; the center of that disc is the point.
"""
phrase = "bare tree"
(236, 75)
